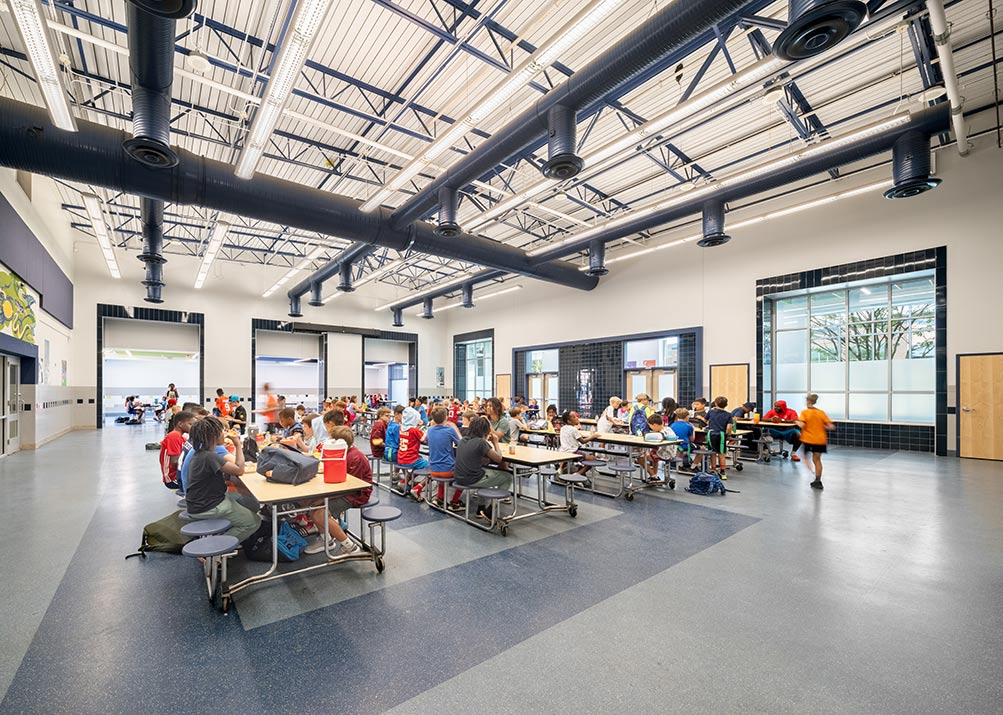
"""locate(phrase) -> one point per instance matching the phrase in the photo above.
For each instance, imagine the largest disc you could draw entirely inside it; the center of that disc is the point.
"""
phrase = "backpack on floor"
(163, 535)
(706, 484)
(121, 420)
(153, 446)
(258, 546)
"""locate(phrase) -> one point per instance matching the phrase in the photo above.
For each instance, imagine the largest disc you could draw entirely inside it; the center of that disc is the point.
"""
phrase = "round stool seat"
(548, 471)
(373, 501)
(622, 467)
(182, 504)
(441, 479)
(462, 487)
(574, 479)
(206, 527)
(593, 463)
(184, 516)
(423, 472)
(703, 452)
(210, 546)
(492, 493)
(381, 513)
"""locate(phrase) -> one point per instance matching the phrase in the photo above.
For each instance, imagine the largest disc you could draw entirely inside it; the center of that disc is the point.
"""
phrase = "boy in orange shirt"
(814, 424)
(222, 404)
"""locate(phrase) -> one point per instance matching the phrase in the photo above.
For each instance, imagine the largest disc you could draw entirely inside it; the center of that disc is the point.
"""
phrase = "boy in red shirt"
(358, 466)
(411, 438)
(171, 447)
(378, 434)
(454, 411)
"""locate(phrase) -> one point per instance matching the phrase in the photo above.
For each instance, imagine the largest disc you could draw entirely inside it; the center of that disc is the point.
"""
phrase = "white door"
(11, 405)
(665, 384)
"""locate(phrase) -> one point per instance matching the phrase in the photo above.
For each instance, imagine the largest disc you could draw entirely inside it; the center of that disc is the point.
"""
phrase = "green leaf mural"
(17, 314)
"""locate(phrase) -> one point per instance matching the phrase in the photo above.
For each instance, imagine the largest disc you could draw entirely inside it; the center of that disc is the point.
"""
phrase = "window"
(657, 352)
(474, 368)
(867, 351)
(542, 376)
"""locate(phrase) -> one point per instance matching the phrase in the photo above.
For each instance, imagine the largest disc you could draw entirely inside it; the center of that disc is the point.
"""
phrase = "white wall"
(688, 286)
(127, 334)
(344, 364)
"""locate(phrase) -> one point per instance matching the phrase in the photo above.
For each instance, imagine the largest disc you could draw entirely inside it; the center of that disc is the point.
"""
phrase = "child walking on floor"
(815, 426)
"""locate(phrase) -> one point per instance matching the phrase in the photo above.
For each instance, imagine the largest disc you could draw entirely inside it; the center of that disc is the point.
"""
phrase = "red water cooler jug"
(334, 455)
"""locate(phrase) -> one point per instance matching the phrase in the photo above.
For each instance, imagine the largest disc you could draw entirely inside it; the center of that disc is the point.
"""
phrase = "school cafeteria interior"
(503, 356)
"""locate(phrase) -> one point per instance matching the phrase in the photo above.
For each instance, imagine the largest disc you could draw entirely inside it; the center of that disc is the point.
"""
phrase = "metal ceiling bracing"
(387, 76)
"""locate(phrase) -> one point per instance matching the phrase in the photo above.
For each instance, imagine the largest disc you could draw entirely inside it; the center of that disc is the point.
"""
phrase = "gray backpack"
(287, 466)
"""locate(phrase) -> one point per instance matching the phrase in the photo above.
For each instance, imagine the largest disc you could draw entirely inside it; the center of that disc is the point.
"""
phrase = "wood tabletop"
(783, 424)
(535, 456)
(271, 492)
(629, 439)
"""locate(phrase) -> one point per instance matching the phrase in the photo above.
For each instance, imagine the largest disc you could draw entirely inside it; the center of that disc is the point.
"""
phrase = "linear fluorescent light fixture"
(92, 204)
(30, 19)
(478, 296)
(212, 249)
(307, 19)
(302, 265)
(574, 30)
(678, 197)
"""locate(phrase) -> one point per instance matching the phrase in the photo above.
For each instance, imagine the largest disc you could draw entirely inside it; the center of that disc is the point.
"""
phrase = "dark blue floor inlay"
(130, 636)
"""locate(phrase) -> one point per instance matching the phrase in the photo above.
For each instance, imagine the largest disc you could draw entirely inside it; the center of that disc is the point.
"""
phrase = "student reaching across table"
(815, 426)
(478, 449)
(608, 419)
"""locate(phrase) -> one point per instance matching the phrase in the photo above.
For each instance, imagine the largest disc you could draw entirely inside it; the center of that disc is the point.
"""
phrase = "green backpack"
(163, 535)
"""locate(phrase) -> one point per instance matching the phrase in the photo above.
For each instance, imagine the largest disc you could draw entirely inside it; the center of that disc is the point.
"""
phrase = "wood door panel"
(503, 387)
(731, 381)
(980, 393)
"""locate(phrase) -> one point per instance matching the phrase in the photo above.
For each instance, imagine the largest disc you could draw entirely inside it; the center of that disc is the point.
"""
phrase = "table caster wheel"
(573, 511)
(739, 467)
(672, 484)
(503, 529)
(380, 565)
(785, 455)
(629, 496)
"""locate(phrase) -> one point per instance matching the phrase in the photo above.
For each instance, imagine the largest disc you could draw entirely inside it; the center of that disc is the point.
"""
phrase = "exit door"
(10, 432)
(980, 412)
(657, 383)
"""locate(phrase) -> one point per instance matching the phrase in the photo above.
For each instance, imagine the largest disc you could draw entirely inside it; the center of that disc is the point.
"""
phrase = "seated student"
(684, 431)
(199, 414)
(237, 414)
(208, 474)
(172, 412)
(333, 418)
(442, 438)
(720, 424)
(468, 415)
(609, 419)
(171, 448)
(300, 412)
(669, 407)
(292, 430)
(455, 411)
(698, 414)
(571, 437)
(499, 421)
(553, 421)
(411, 437)
(650, 461)
(393, 437)
(378, 433)
(637, 420)
(358, 466)
(743, 411)
(532, 409)
(421, 405)
(312, 439)
(477, 449)
(221, 450)
(222, 404)
(516, 425)
(782, 413)
(134, 408)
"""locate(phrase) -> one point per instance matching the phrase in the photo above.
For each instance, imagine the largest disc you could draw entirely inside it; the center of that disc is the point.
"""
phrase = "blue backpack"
(706, 484)
(639, 421)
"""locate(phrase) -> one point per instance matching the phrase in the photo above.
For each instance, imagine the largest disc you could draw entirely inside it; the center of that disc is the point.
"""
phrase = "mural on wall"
(17, 314)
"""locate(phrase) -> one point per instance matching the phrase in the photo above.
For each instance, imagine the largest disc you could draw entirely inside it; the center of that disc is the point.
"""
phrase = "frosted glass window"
(826, 376)
(657, 352)
(871, 375)
(792, 313)
(795, 401)
(536, 388)
(791, 357)
(913, 408)
(914, 375)
(542, 361)
(869, 407)
(833, 404)
(638, 384)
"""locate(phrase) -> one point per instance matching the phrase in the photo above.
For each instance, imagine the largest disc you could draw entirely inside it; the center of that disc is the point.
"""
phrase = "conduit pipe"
(945, 54)
(94, 155)
(928, 121)
(667, 30)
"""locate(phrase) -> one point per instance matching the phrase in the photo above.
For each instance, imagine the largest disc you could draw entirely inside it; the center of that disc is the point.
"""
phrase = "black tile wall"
(690, 370)
(519, 384)
(883, 436)
(588, 374)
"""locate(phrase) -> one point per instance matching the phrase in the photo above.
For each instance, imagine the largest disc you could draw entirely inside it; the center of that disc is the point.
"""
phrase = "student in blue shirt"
(393, 437)
(423, 411)
(442, 438)
(684, 431)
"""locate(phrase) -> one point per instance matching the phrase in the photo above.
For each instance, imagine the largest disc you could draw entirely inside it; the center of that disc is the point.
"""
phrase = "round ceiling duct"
(815, 26)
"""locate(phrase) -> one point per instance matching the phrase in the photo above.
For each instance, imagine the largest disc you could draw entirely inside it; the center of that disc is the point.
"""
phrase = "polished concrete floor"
(879, 595)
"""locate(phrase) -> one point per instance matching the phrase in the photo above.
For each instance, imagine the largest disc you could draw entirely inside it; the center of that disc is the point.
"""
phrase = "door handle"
(968, 409)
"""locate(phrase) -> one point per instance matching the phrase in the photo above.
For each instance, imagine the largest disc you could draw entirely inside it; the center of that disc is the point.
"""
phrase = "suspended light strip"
(452, 279)
(479, 297)
(92, 204)
(869, 188)
(30, 19)
(305, 263)
(680, 197)
(212, 250)
(308, 17)
(685, 110)
(573, 31)
(378, 273)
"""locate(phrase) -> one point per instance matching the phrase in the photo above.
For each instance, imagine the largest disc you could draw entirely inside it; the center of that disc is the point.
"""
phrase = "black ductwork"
(713, 225)
(152, 218)
(816, 26)
(597, 259)
(426, 309)
(94, 155)
(295, 308)
(345, 283)
(316, 295)
(663, 33)
(447, 226)
(562, 162)
(173, 9)
(911, 167)
(926, 122)
(151, 63)
(468, 295)
(398, 318)
(479, 277)
(355, 252)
